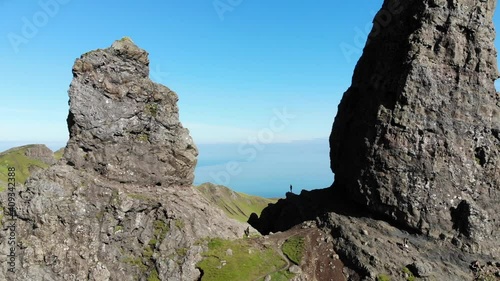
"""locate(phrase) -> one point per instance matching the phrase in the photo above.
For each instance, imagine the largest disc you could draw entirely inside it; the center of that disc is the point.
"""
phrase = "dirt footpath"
(319, 262)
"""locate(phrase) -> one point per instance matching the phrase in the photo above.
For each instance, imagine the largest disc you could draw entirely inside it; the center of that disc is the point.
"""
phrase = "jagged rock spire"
(123, 125)
(417, 135)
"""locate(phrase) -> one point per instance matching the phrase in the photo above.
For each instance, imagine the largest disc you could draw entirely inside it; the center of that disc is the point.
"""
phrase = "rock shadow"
(295, 209)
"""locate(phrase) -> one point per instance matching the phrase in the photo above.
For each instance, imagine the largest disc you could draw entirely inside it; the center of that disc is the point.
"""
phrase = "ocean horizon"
(267, 170)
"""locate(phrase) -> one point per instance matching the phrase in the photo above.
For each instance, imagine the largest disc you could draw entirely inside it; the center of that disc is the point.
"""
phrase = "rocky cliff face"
(416, 137)
(119, 205)
(124, 126)
(42, 153)
(415, 148)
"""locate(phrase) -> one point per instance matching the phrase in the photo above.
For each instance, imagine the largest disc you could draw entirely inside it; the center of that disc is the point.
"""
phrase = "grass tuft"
(293, 248)
(16, 157)
(383, 277)
(160, 230)
(408, 273)
(153, 276)
(242, 265)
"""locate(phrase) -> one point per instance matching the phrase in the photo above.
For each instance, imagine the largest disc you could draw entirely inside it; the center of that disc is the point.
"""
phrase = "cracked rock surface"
(417, 135)
(119, 205)
(123, 125)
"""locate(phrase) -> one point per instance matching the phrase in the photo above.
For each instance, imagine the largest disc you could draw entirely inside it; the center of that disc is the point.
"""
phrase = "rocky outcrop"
(40, 152)
(368, 245)
(74, 225)
(415, 148)
(124, 126)
(119, 206)
(416, 137)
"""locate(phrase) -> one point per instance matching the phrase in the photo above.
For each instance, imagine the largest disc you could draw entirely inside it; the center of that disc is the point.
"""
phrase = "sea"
(266, 170)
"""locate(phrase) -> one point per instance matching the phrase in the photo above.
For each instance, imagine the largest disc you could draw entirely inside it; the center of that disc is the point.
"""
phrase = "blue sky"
(246, 72)
(231, 68)
(232, 62)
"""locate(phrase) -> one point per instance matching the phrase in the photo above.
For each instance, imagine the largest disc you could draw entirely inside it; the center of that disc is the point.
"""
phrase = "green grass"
(148, 252)
(1, 216)
(179, 223)
(117, 228)
(181, 252)
(141, 197)
(242, 265)
(160, 230)
(383, 277)
(293, 248)
(59, 153)
(143, 137)
(410, 277)
(283, 275)
(153, 276)
(135, 261)
(151, 109)
(152, 242)
(236, 205)
(16, 158)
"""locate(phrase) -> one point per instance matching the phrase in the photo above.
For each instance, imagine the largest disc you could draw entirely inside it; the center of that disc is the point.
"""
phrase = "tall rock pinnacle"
(99, 214)
(123, 125)
(417, 135)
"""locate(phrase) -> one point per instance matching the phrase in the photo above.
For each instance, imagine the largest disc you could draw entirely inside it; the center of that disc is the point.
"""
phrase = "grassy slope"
(59, 153)
(236, 205)
(246, 262)
(293, 248)
(249, 259)
(15, 157)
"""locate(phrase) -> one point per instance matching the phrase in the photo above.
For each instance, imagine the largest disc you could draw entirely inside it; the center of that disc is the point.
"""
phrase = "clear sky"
(233, 63)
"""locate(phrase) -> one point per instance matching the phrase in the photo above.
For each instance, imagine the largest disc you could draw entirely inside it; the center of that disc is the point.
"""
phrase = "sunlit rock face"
(123, 125)
(119, 205)
(417, 135)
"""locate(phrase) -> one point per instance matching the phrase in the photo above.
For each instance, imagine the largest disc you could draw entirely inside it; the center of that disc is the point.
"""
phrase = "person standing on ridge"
(290, 188)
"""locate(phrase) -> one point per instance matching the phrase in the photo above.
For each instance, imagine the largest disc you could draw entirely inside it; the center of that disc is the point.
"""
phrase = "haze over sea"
(266, 169)
(261, 169)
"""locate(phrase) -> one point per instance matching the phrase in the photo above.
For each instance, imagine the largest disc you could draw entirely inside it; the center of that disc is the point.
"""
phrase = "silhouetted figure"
(290, 188)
